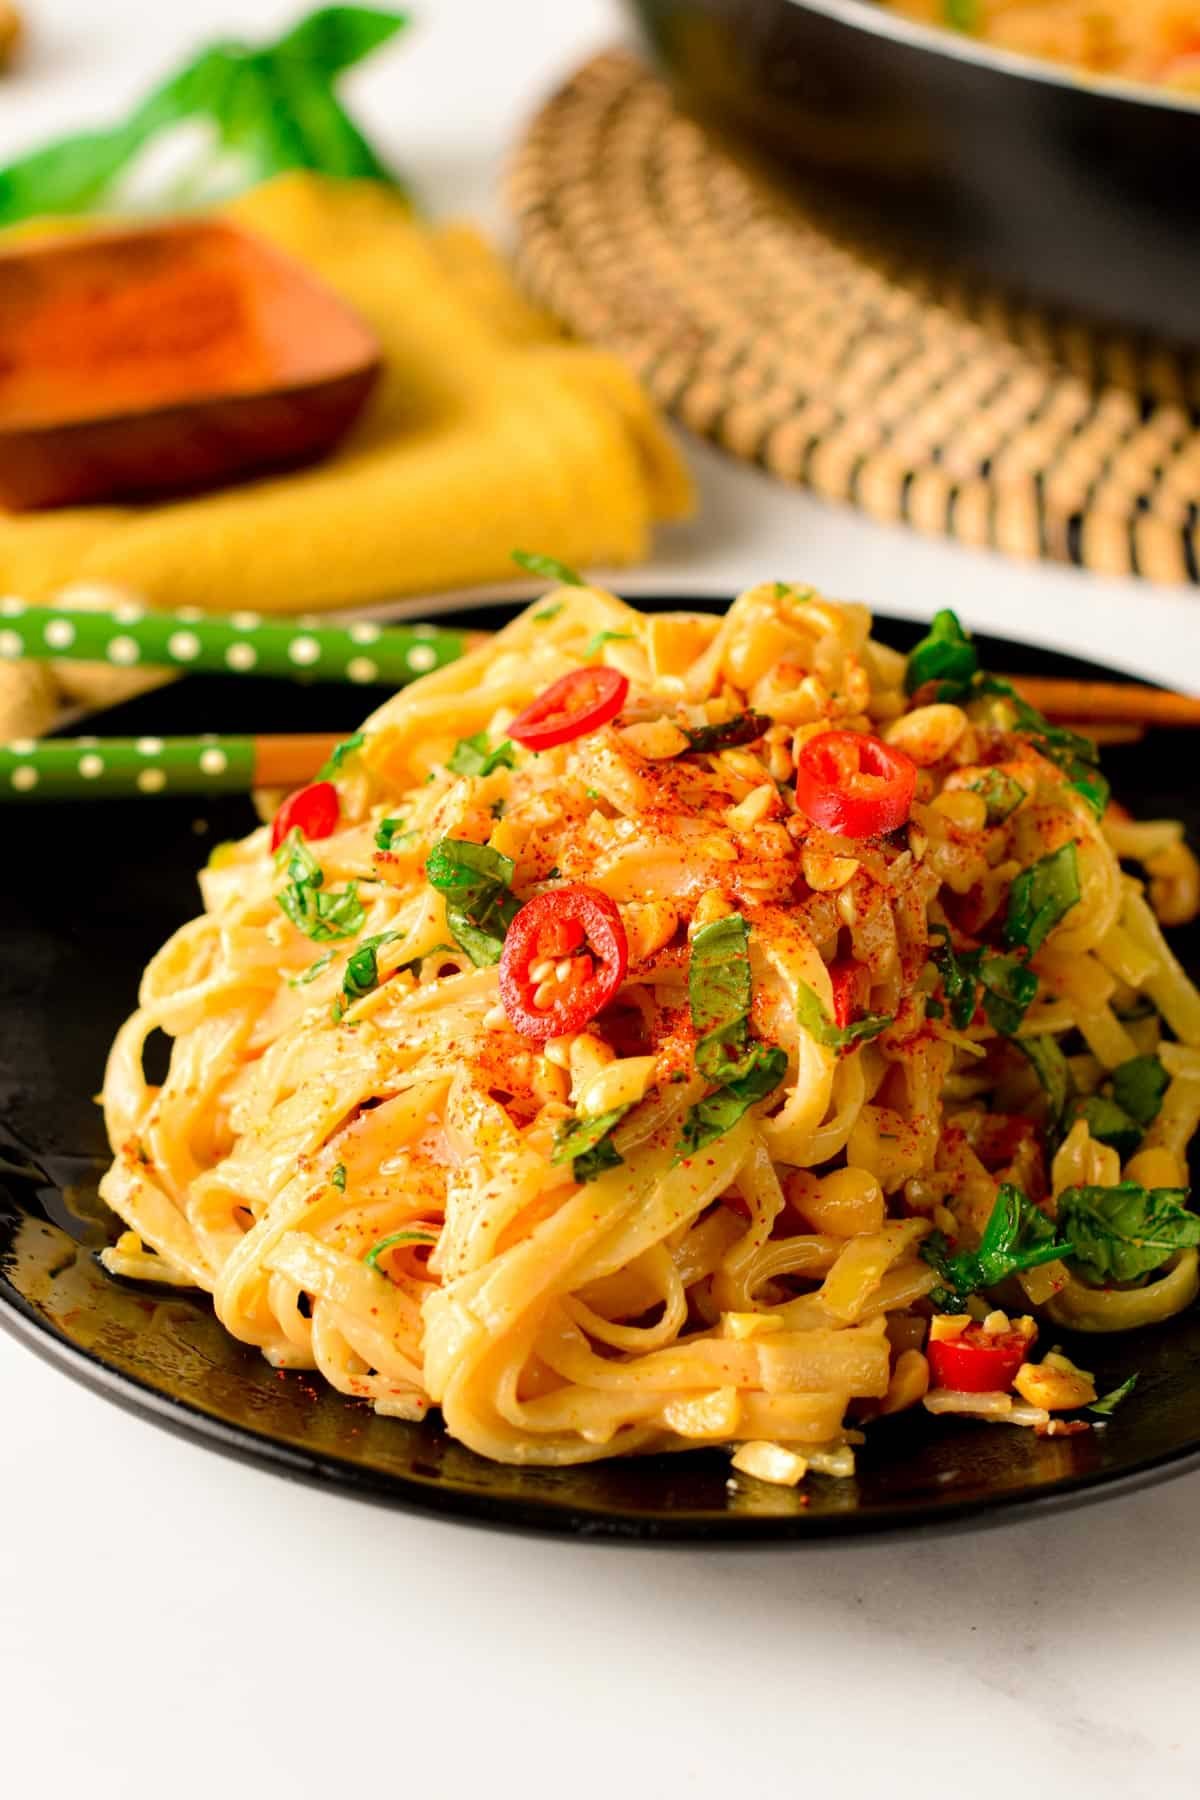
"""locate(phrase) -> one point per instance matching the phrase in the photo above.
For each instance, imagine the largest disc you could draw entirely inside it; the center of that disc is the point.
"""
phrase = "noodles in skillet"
(1155, 41)
(661, 1031)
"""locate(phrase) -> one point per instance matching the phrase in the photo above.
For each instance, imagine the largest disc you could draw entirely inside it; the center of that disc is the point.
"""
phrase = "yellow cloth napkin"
(488, 432)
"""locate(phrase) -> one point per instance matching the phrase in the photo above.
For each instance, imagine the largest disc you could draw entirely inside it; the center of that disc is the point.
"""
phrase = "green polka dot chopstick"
(239, 643)
(85, 767)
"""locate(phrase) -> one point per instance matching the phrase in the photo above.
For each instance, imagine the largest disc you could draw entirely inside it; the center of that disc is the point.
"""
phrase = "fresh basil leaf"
(946, 655)
(319, 915)
(816, 1021)
(1040, 897)
(719, 986)
(1077, 756)
(1017, 1236)
(547, 566)
(1108, 1403)
(587, 1144)
(480, 906)
(1109, 1124)
(340, 752)
(746, 728)
(267, 109)
(312, 971)
(1001, 792)
(1125, 1231)
(337, 1177)
(710, 1118)
(391, 831)
(1008, 987)
(547, 613)
(471, 756)
(1054, 1072)
(720, 992)
(1139, 1086)
(413, 1234)
(595, 644)
(361, 975)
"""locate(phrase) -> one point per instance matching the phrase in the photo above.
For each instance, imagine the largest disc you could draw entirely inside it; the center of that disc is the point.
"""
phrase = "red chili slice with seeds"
(312, 811)
(571, 707)
(853, 783)
(565, 956)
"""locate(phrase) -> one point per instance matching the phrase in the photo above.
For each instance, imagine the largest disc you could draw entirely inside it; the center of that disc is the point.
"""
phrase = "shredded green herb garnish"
(746, 728)
(547, 613)
(480, 906)
(945, 655)
(816, 1021)
(1040, 897)
(587, 1144)
(746, 1071)
(1054, 1073)
(337, 1177)
(1017, 1236)
(391, 832)
(595, 644)
(1001, 793)
(1125, 1231)
(1108, 1403)
(318, 914)
(472, 756)
(340, 752)
(1005, 986)
(414, 1234)
(548, 566)
(312, 971)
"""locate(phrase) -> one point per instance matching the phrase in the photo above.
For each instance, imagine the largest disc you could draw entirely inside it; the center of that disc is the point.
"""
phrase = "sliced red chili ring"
(312, 811)
(854, 783)
(978, 1361)
(575, 926)
(572, 706)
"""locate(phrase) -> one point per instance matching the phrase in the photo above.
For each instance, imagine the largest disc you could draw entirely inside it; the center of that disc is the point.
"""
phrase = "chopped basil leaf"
(471, 756)
(312, 971)
(547, 613)
(1017, 1236)
(1008, 986)
(362, 968)
(765, 1067)
(816, 1021)
(1138, 1086)
(414, 1234)
(480, 906)
(1054, 1073)
(719, 986)
(946, 655)
(548, 566)
(1077, 756)
(340, 752)
(961, 15)
(319, 915)
(1125, 1231)
(391, 831)
(1040, 897)
(1108, 1403)
(594, 645)
(337, 1177)
(746, 728)
(1001, 793)
(1109, 1124)
(593, 793)
(587, 1144)
(720, 992)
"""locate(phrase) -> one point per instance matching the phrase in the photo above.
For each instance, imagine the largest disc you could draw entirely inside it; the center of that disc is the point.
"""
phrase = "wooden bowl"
(135, 364)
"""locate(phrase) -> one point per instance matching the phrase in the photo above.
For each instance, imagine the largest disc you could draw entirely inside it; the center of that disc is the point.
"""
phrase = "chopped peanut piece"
(1055, 1384)
(947, 1325)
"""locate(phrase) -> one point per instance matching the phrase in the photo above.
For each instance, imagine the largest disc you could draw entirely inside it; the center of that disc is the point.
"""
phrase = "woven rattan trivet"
(758, 326)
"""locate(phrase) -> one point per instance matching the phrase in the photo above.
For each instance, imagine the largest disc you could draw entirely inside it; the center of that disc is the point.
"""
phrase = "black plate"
(1073, 192)
(90, 890)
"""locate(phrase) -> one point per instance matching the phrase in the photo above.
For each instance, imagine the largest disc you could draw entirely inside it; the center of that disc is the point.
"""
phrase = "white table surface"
(174, 1623)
